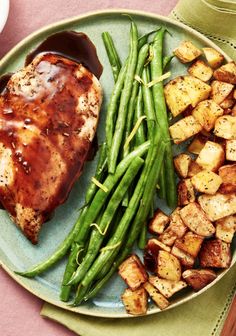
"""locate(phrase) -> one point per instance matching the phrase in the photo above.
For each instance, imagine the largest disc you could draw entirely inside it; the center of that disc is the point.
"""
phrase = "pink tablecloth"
(19, 310)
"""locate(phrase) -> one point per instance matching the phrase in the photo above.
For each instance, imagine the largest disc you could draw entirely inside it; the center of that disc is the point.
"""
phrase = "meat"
(48, 117)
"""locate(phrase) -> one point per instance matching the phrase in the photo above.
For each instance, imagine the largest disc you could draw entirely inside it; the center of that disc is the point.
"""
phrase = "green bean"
(142, 237)
(112, 54)
(97, 235)
(160, 108)
(79, 296)
(140, 134)
(143, 39)
(167, 60)
(147, 96)
(101, 168)
(162, 184)
(113, 152)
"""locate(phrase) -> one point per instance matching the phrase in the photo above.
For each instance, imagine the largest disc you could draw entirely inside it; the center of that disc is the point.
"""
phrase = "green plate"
(16, 252)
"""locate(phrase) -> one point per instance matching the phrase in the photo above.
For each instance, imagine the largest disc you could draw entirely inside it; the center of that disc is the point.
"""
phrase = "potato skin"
(198, 278)
(215, 253)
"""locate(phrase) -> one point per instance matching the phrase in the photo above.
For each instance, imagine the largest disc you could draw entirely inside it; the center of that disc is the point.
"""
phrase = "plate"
(4, 10)
(16, 252)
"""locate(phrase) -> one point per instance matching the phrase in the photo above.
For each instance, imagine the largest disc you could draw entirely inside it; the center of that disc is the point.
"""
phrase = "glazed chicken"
(48, 117)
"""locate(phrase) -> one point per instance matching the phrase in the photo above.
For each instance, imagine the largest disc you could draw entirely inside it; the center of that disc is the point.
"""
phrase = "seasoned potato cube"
(190, 243)
(187, 52)
(213, 57)
(206, 113)
(226, 73)
(211, 156)
(198, 278)
(220, 91)
(133, 272)
(225, 228)
(228, 102)
(196, 220)
(206, 182)
(168, 266)
(185, 192)
(167, 287)
(201, 70)
(135, 301)
(215, 253)
(181, 163)
(218, 206)
(185, 259)
(230, 150)
(194, 168)
(151, 251)
(225, 127)
(184, 129)
(156, 296)
(228, 176)
(158, 222)
(233, 111)
(197, 144)
(185, 92)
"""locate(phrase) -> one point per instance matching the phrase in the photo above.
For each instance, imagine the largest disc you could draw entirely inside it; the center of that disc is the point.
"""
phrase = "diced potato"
(206, 182)
(184, 129)
(201, 70)
(218, 206)
(167, 287)
(194, 168)
(225, 127)
(156, 296)
(197, 144)
(196, 220)
(185, 92)
(190, 243)
(226, 73)
(198, 278)
(181, 163)
(220, 91)
(133, 272)
(230, 150)
(206, 113)
(233, 110)
(211, 156)
(187, 52)
(234, 94)
(213, 57)
(225, 228)
(228, 176)
(185, 259)
(186, 193)
(135, 301)
(158, 222)
(228, 102)
(151, 251)
(168, 266)
(215, 253)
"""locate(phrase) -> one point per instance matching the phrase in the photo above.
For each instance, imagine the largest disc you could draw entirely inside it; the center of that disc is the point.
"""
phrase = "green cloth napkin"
(205, 314)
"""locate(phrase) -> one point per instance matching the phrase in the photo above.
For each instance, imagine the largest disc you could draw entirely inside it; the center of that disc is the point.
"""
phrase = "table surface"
(25, 17)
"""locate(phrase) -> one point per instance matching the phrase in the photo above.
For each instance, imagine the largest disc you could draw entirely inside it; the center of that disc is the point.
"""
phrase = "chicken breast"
(48, 117)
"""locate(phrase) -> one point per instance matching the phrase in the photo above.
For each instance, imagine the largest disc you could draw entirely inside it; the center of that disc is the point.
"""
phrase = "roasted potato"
(156, 296)
(168, 266)
(135, 301)
(197, 145)
(184, 129)
(190, 243)
(201, 70)
(215, 253)
(225, 127)
(181, 163)
(158, 223)
(228, 102)
(226, 73)
(206, 113)
(198, 278)
(196, 220)
(220, 91)
(186, 193)
(230, 151)
(211, 156)
(225, 228)
(228, 176)
(167, 287)
(187, 52)
(206, 182)
(186, 260)
(218, 206)
(133, 272)
(194, 168)
(185, 92)
(151, 251)
(213, 57)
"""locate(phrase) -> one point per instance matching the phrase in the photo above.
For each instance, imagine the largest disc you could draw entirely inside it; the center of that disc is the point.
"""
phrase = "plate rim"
(71, 20)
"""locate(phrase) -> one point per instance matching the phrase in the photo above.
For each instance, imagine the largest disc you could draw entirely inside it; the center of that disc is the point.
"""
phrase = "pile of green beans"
(116, 209)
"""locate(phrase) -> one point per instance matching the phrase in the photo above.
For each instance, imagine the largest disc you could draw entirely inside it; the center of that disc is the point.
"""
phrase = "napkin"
(205, 314)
